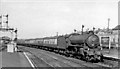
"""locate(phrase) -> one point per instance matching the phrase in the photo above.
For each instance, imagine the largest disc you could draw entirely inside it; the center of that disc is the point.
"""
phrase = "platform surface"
(113, 53)
(16, 59)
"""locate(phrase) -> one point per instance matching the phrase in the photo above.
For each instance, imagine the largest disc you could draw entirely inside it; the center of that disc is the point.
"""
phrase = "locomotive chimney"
(91, 32)
(75, 30)
(93, 29)
(82, 29)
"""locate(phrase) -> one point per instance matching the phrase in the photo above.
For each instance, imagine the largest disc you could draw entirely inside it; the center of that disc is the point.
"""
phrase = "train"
(85, 45)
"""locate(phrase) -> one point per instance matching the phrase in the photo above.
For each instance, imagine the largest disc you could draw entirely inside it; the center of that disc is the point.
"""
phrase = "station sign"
(105, 40)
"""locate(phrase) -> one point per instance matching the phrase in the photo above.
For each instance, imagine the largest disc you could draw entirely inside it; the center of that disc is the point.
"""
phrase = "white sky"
(39, 18)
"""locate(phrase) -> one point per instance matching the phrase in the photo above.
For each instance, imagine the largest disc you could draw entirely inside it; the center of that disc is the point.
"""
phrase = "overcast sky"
(39, 18)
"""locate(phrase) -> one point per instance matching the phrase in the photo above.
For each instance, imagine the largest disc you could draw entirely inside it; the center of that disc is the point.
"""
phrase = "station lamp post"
(56, 33)
(0, 21)
(108, 23)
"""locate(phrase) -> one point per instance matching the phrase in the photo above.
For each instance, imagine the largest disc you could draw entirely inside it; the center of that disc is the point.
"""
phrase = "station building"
(114, 35)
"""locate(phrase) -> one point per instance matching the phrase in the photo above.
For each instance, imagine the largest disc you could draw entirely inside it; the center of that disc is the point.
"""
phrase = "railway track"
(34, 59)
(75, 62)
(64, 64)
(108, 62)
(100, 64)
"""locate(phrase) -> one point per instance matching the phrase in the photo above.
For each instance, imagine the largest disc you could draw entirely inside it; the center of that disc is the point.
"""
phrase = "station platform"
(112, 53)
(15, 59)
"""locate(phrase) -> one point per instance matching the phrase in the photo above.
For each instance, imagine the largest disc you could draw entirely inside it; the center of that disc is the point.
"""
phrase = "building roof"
(5, 38)
(117, 27)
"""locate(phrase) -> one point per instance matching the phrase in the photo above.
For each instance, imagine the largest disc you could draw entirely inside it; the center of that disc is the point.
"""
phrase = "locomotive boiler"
(89, 39)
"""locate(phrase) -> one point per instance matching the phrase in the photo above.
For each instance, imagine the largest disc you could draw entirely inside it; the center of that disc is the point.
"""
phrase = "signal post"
(11, 47)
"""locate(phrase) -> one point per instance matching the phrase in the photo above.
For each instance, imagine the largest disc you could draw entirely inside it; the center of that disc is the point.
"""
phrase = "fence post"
(109, 43)
(100, 43)
(116, 45)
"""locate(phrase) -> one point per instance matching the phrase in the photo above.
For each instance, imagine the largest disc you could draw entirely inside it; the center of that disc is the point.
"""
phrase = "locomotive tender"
(84, 45)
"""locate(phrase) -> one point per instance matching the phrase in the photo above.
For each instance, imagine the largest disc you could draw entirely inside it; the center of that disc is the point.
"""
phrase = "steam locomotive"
(85, 46)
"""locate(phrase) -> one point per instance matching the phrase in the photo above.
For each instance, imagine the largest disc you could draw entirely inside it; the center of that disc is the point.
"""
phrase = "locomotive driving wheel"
(100, 58)
(92, 58)
(87, 58)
